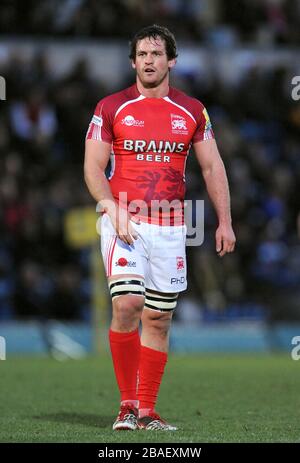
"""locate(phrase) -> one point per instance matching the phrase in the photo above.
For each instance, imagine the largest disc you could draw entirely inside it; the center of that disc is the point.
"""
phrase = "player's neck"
(160, 91)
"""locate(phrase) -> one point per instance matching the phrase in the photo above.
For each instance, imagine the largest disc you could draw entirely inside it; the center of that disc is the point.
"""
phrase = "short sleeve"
(100, 127)
(204, 129)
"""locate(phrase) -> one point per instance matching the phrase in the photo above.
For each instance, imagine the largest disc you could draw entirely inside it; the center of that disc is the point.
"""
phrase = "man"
(149, 127)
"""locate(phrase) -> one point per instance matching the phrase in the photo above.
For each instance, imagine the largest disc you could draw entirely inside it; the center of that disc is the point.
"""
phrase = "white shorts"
(158, 255)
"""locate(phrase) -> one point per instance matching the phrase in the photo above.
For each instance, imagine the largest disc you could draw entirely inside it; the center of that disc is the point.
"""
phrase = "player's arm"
(215, 177)
(97, 154)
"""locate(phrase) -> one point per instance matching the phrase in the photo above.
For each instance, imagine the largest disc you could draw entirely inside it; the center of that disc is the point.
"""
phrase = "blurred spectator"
(33, 119)
(260, 21)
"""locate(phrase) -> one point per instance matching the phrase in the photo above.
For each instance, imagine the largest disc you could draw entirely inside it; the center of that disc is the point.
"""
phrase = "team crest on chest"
(178, 124)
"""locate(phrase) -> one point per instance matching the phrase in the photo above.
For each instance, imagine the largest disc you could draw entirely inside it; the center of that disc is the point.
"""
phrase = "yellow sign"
(80, 231)
(80, 227)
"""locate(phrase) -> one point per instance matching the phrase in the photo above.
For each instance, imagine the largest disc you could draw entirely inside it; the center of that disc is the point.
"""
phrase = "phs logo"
(177, 281)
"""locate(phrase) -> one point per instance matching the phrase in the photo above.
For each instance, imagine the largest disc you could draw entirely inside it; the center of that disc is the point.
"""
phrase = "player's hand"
(225, 239)
(121, 221)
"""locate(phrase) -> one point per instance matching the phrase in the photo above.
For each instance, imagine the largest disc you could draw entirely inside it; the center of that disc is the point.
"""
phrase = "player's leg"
(156, 319)
(156, 322)
(165, 279)
(128, 298)
(125, 275)
(127, 293)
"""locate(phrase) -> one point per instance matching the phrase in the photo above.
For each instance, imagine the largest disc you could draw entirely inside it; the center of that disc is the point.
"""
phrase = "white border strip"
(141, 97)
(166, 98)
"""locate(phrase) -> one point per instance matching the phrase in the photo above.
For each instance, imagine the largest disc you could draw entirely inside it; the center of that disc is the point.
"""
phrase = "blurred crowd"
(231, 21)
(257, 127)
(42, 130)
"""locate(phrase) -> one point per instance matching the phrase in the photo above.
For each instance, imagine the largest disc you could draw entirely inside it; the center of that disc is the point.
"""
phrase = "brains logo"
(130, 121)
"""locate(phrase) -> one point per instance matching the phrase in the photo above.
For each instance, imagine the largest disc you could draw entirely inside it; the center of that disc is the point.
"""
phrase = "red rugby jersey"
(151, 139)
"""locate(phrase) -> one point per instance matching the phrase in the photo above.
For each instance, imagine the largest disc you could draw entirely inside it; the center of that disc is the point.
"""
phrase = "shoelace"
(157, 423)
(156, 416)
(127, 413)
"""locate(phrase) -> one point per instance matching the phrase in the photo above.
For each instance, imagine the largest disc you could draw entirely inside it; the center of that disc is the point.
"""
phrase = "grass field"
(211, 398)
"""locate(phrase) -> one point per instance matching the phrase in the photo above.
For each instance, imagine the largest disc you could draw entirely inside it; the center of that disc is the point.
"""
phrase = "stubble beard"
(155, 83)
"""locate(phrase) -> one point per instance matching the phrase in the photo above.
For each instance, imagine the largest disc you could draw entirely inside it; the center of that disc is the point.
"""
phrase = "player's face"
(151, 62)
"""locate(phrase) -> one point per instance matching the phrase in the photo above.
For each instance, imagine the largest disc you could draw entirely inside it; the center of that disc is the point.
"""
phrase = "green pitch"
(211, 398)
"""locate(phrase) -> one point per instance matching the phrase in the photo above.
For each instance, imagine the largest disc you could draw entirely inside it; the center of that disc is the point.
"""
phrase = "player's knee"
(128, 307)
(158, 322)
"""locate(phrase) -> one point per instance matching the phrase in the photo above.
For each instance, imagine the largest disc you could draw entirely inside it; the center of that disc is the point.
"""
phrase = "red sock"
(151, 370)
(125, 350)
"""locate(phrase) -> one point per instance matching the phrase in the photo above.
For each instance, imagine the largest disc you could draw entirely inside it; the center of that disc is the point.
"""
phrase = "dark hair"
(155, 31)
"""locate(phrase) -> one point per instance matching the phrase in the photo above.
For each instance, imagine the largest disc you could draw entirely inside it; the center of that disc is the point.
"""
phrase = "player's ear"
(133, 64)
(171, 63)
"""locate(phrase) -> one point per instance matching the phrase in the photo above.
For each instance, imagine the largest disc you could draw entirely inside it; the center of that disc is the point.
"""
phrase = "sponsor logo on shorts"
(180, 264)
(177, 281)
(122, 262)
(130, 121)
